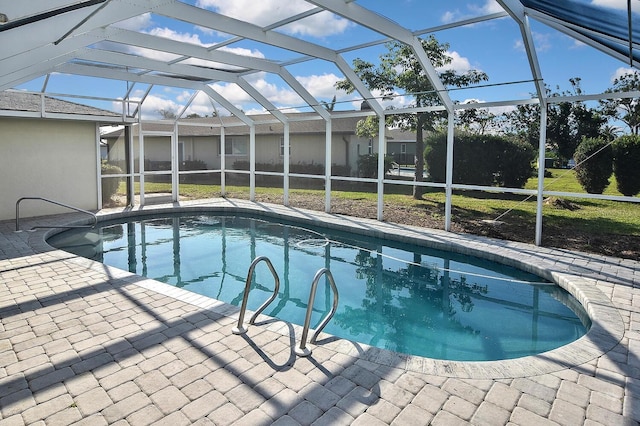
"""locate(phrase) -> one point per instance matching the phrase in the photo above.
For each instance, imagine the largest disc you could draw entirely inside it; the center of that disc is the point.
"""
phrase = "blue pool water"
(403, 298)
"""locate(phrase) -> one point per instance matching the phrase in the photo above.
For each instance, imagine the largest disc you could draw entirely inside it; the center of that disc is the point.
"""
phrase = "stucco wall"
(54, 159)
(305, 149)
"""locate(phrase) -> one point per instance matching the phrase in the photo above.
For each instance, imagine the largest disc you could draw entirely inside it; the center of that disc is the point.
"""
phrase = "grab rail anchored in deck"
(302, 350)
(93, 216)
(240, 329)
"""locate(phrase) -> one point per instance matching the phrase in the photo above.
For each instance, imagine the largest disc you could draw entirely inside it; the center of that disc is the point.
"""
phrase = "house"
(70, 141)
(401, 145)
(198, 144)
(46, 154)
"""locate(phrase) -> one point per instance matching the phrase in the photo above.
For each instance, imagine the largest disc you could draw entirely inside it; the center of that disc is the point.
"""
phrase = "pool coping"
(606, 331)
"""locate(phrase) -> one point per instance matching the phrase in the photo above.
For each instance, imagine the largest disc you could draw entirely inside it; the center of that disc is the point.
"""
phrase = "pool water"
(408, 299)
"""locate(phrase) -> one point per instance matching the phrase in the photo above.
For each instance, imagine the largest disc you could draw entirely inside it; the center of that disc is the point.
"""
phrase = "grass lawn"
(582, 215)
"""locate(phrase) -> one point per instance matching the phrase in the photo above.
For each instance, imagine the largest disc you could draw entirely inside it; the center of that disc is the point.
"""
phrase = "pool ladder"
(301, 350)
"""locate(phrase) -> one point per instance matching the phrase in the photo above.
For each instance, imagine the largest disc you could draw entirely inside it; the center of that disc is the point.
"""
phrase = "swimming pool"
(408, 299)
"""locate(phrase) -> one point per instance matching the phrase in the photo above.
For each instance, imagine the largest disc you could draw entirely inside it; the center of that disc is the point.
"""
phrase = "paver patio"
(83, 343)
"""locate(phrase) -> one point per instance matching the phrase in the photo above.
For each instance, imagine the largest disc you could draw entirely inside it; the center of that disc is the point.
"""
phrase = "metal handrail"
(95, 218)
(239, 329)
(302, 350)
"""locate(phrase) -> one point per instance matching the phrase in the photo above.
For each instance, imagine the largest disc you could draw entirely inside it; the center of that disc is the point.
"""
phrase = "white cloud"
(541, 41)
(450, 16)
(267, 12)
(279, 96)
(170, 101)
(243, 52)
(136, 23)
(319, 25)
(284, 99)
(192, 39)
(489, 7)
(458, 63)
(165, 33)
(622, 71)
(176, 36)
(152, 104)
(320, 86)
(201, 105)
(232, 93)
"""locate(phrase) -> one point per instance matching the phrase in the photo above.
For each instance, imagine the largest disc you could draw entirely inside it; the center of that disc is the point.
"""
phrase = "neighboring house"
(52, 148)
(401, 145)
(199, 140)
(44, 153)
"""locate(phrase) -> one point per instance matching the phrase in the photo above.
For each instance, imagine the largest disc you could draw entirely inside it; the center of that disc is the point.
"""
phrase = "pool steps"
(301, 350)
(240, 329)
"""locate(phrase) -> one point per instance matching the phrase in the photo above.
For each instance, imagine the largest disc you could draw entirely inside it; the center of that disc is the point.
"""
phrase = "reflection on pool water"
(404, 298)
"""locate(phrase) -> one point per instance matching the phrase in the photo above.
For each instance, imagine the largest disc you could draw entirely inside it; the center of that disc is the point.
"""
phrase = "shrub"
(368, 165)
(109, 185)
(514, 162)
(626, 158)
(193, 165)
(340, 170)
(594, 159)
(480, 160)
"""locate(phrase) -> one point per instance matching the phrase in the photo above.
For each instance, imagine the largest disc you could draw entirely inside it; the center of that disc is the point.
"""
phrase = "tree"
(523, 123)
(594, 158)
(570, 122)
(476, 120)
(626, 110)
(626, 157)
(167, 114)
(610, 132)
(400, 70)
(329, 106)
(567, 122)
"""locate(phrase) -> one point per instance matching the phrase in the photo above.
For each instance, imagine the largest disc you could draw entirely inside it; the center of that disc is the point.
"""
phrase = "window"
(282, 147)
(403, 148)
(235, 146)
(370, 147)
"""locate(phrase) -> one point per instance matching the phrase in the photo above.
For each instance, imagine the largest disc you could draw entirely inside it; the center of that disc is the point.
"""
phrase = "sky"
(494, 47)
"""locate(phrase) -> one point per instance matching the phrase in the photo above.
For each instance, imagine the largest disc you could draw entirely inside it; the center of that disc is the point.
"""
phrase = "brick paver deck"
(83, 343)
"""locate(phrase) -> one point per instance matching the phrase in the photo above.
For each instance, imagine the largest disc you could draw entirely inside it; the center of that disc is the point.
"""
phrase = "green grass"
(564, 180)
(593, 216)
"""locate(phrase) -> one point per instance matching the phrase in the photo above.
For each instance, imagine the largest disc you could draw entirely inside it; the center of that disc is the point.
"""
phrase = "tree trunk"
(419, 162)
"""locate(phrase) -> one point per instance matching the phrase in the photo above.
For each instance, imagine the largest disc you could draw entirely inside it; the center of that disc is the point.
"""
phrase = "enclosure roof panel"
(246, 55)
(616, 29)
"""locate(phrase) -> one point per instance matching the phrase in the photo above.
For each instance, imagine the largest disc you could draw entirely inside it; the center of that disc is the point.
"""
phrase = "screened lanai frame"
(30, 52)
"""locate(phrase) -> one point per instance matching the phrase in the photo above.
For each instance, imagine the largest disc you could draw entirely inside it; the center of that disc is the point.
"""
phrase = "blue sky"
(494, 47)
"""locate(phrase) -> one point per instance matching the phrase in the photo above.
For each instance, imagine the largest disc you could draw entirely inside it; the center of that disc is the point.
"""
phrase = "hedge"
(485, 160)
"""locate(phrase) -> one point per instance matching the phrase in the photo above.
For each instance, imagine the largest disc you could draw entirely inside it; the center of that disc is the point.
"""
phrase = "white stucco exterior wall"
(55, 159)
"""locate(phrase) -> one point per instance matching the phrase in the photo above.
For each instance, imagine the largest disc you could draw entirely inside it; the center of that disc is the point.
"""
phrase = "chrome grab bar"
(95, 218)
(239, 329)
(302, 350)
